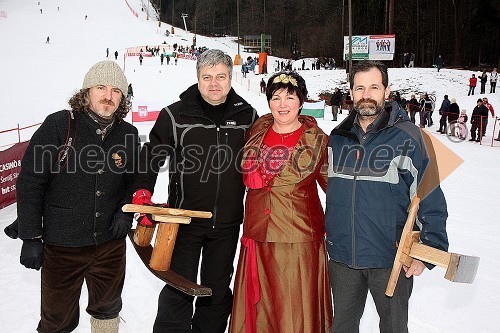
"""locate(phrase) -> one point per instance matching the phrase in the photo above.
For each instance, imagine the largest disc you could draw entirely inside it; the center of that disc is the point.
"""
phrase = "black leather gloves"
(122, 223)
(32, 253)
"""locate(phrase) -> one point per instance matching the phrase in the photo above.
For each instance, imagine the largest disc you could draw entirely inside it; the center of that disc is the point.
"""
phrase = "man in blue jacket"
(377, 159)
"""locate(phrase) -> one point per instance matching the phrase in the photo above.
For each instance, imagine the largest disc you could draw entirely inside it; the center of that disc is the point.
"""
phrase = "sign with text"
(10, 166)
(370, 47)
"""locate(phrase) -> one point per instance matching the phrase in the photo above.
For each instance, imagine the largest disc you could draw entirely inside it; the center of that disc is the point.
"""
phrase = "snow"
(38, 78)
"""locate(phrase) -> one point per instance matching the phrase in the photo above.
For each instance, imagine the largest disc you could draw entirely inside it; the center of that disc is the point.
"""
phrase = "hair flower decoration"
(283, 78)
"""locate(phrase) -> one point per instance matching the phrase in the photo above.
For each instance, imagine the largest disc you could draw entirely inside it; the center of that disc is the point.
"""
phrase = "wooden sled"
(158, 257)
(459, 268)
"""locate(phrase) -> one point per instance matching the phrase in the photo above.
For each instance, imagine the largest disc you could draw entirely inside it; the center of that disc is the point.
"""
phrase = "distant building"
(251, 43)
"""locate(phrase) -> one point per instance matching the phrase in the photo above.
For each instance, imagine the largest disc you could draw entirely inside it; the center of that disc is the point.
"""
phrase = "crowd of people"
(452, 119)
(299, 269)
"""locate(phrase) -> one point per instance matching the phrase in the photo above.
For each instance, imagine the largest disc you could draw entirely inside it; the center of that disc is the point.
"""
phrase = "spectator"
(493, 80)
(443, 112)
(413, 108)
(262, 86)
(491, 110)
(116, 55)
(453, 115)
(483, 79)
(244, 69)
(412, 60)
(462, 125)
(472, 84)
(130, 91)
(439, 62)
(397, 98)
(336, 102)
(476, 119)
(140, 58)
(425, 111)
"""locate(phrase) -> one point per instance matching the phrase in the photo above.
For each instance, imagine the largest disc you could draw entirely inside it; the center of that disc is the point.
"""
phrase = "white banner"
(372, 47)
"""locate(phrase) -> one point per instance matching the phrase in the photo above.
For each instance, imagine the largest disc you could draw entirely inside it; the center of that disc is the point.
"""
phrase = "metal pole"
(238, 23)
(173, 13)
(350, 38)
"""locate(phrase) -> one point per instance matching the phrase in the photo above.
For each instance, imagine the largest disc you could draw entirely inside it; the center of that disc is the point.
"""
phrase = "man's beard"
(368, 107)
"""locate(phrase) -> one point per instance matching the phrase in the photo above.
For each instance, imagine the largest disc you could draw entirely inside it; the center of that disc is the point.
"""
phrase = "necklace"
(284, 136)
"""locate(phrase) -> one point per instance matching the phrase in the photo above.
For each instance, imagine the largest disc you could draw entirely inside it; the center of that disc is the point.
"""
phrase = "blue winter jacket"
(370, 186)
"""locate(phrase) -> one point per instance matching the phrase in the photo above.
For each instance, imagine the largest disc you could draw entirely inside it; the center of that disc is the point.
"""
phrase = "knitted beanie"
(106, 73)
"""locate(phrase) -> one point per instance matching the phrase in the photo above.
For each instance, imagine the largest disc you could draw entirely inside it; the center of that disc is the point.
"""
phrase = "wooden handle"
(430, 254)
(164, 246)
(130, 208)
(172, 219)
(407, 229)
(143, 235)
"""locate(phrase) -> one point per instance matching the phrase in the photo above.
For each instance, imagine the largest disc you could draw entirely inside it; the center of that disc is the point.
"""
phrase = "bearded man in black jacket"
(76, 172)
(202, 135)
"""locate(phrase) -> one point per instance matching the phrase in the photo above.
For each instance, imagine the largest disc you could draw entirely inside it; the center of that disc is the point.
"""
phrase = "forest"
(465, 32)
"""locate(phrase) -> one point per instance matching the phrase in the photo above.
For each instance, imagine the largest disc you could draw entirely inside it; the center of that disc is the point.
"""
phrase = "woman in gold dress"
(282, 282)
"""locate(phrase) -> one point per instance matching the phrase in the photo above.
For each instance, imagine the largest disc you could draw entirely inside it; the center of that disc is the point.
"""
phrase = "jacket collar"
(305, 155)
(192, 106)
(391, 116)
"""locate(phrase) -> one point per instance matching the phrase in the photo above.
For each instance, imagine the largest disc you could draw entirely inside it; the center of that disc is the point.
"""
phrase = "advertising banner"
(370, 47)
(10, 166)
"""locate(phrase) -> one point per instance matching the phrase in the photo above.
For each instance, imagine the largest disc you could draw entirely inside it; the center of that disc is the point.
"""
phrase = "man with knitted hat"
(76, 173)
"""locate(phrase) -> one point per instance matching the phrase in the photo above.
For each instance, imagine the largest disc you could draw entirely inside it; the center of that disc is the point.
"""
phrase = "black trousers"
(217, 248)
(350, 288)
(63, 272)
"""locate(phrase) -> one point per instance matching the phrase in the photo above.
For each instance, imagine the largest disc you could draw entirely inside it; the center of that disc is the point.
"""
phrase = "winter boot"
(104, 325)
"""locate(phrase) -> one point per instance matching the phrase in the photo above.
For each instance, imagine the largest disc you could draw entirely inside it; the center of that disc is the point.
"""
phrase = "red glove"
(143, 197)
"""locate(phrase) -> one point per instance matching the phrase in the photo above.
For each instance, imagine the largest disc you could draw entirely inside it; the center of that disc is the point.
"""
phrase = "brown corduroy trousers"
(63, 272)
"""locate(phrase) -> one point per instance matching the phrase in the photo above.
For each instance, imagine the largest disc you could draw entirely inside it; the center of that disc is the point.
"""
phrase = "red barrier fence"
(131, 9)
(11, 136)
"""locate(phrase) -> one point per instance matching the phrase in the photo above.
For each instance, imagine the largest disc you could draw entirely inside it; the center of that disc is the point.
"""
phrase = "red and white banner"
(146, 111)
(10, 166)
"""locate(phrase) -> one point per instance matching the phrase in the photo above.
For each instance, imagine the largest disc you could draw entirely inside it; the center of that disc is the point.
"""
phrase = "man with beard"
(377, 159)
(76, 173)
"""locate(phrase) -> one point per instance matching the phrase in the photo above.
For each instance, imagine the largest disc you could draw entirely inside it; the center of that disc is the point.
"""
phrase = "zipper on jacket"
(353, 210)
(214, 216)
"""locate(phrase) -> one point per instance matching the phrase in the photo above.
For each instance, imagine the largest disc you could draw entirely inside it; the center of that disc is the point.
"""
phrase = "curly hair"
(80, 102)
(289, 80)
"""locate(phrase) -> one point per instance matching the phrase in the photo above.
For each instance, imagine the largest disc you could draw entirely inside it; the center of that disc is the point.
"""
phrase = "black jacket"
(204, 157)
(453, 112)
(336, 98)
(73, 205)
(479, 113)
